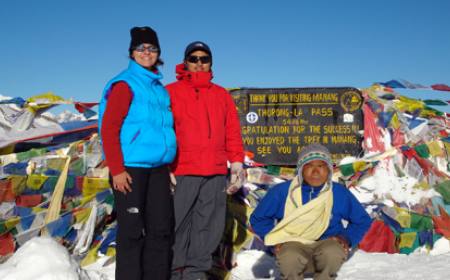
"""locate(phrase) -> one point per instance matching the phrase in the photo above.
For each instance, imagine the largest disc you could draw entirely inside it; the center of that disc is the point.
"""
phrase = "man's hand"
(237, 177)
(122, 182)
(277, 249)
(341, 240)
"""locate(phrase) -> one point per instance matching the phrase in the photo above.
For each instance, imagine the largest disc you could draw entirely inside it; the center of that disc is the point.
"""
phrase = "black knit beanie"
(140, 35)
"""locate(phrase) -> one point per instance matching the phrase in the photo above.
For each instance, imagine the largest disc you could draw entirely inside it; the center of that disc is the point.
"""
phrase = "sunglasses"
(142, 48)
(203, 59)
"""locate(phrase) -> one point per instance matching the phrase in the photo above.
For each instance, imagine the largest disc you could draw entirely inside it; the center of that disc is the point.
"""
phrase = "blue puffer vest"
(147, 136)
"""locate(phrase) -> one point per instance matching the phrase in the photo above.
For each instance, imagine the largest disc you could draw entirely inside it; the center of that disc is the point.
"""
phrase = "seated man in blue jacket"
(303, 219)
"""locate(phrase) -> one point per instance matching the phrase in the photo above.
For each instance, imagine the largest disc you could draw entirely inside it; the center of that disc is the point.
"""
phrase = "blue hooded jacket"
(147, 136)
(345, 207)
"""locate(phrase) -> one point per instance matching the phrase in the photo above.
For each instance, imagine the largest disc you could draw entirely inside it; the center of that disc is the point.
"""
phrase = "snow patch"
(42, 258)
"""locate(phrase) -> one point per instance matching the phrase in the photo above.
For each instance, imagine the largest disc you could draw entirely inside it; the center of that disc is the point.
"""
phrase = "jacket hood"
(197, 79)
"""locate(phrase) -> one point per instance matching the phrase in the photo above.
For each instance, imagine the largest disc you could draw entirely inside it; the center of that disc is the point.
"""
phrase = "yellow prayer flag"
(407, 239)
(359, 166)
(56, 163)
(111, 251)
(82, 215)
(435, 149)
(395, 123)
(422, 185)
(288, 172)
(18, 183)
(403, 217)
(42, 101)
(38, 209)
(86, 199)
(92, 186)
(9, 224)
(35, 181)
(91, 256)
(407, 104)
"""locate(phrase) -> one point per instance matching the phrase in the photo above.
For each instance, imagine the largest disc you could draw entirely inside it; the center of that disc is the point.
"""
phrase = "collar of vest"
(137, 69)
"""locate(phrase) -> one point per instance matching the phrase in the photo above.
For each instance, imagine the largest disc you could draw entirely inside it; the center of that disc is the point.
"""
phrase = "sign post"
(276, 123)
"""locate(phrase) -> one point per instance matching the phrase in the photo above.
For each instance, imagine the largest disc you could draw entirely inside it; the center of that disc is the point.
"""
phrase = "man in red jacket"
(208, 135)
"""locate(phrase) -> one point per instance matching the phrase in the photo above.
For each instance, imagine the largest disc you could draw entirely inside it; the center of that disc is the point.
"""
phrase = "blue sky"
(73, 48)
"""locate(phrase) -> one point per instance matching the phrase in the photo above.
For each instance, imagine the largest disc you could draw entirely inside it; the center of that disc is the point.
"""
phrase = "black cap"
(197, 46)
(141, 35)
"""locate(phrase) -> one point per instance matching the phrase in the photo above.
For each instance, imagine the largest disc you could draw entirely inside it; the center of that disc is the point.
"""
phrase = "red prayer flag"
(6, 191)
(31, 200)
(371, 132)
(379, 238)
(7, 245)
(442, 223)
(440, 87)
(82, 106)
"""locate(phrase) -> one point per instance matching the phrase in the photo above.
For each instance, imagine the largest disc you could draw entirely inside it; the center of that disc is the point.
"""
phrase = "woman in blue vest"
(136, 128)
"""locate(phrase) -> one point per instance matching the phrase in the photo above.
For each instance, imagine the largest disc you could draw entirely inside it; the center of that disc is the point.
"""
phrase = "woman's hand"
(122, 182)
(173, 182)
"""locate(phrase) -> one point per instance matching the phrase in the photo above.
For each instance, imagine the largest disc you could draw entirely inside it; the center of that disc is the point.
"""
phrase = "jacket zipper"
(197, 92)
(209, 124)
(161, 109)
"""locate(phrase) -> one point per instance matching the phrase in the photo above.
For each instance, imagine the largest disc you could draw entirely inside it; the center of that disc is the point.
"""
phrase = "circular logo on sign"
(251, 117)
(351, 101)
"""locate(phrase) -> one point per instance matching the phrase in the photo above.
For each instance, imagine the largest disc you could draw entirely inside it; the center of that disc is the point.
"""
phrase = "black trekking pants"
(145, 220)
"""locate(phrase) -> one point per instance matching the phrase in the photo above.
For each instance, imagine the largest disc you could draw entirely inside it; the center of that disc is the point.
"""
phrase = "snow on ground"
(43, 258)
(361, 266)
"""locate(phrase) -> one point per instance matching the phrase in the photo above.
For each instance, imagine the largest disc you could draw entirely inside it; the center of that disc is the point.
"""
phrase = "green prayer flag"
(435, 102)
(77, 167)
(431, 111)
(49, 184)
(30, 154)
(70, 182)
(273, 170)
(347, 169)
(109, 200)
(444, 189)
(421, 222)
(422, 150)
(3, 228)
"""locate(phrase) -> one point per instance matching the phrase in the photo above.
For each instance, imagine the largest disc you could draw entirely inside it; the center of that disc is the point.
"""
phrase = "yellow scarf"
(305, 223)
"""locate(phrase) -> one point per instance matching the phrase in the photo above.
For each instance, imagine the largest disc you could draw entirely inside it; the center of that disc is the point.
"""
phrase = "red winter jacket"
(206, 125)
